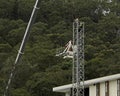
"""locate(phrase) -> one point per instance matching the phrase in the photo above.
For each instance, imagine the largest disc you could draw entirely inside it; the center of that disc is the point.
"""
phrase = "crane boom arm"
(22, 47)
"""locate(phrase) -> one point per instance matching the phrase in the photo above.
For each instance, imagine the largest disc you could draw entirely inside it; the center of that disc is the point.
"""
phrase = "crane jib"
(22, 47)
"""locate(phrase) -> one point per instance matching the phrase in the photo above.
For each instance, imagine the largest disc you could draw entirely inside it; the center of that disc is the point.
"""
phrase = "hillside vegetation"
(39, 69)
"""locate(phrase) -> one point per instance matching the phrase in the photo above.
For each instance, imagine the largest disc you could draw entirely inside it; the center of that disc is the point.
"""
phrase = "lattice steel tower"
(75, 50)
(78, 59)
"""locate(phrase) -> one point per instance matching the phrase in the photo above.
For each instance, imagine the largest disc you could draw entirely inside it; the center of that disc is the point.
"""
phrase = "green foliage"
(20, 92)
(40, 70)
(2, 84)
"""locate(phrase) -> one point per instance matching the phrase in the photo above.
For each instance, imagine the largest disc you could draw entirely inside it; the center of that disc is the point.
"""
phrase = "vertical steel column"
(78, 59)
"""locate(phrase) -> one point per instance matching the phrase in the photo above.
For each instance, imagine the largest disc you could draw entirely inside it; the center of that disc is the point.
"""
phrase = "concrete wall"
(67, 94)
(113, 88)
(102, 89)
(92, 90)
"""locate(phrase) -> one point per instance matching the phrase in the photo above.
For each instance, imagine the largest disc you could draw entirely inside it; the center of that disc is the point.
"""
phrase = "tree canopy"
(39, 69)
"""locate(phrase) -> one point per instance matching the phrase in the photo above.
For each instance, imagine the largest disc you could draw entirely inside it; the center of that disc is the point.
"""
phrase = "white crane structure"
(22, 46)
(75, 50)
(68, 51)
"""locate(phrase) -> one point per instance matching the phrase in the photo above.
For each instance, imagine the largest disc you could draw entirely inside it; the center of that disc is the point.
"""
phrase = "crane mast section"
(78, 59)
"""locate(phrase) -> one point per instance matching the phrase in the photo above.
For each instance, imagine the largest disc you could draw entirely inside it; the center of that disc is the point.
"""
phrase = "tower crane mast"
(75, 50)
(78, 59)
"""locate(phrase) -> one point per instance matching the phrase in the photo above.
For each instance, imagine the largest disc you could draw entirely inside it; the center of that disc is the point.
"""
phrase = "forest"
(39, 70)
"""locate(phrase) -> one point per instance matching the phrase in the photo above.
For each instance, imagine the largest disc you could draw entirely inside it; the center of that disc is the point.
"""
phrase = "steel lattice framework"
(75, 50)
(78, 59)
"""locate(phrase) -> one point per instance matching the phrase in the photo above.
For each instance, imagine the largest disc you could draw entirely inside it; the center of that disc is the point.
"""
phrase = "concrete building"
(104, 86)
